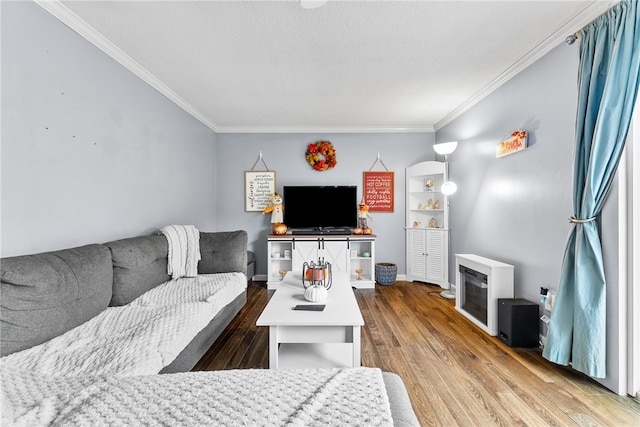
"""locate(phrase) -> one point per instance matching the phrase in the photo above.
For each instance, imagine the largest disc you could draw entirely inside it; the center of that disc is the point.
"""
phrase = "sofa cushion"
(223, 252)
(139, 264)
(45, 295)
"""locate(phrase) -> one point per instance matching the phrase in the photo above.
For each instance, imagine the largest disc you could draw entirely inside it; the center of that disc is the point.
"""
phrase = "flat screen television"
(320, 208)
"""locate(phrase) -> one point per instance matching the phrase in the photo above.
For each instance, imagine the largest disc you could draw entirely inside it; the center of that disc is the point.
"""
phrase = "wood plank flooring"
(456, 374)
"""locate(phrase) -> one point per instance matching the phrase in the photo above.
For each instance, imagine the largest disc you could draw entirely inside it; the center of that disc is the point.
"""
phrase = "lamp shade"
(445, 148)
(448, 188)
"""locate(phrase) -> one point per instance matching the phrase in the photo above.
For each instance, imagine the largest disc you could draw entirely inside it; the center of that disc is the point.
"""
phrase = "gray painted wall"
(90, 153)
(284, 153)
(515, 209)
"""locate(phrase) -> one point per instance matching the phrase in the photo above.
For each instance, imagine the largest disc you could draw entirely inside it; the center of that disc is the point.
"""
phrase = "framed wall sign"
(259, 187)
(378, 191)
(516, 142)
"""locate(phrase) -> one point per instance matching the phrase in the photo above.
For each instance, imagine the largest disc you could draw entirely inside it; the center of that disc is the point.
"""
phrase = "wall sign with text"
(516, 142)
(378, 191)
(259, 187)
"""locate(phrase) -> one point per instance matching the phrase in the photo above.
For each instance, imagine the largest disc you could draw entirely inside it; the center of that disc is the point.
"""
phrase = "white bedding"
(351, 396)
(219, 288)
(136, 339)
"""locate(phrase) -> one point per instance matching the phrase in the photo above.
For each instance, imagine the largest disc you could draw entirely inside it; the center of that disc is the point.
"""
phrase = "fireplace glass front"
(474, 293)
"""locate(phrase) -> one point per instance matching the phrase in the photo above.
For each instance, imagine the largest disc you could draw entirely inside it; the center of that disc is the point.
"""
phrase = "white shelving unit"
(427, 224)
(344, 253)
(280, 256)
(358, 248)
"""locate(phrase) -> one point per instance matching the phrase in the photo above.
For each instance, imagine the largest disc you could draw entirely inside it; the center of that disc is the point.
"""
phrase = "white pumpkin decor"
(315, 293)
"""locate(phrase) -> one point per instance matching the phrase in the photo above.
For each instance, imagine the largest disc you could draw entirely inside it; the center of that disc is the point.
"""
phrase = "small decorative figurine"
(436, 205)
(276, 209)
(429, 185)
(432, 223)
(420, 206)
(363, 214)
(429, 204)
(416, 223)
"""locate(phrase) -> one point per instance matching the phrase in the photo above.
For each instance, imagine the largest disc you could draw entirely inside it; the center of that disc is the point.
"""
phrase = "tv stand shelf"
(346, 253)
(322, 232)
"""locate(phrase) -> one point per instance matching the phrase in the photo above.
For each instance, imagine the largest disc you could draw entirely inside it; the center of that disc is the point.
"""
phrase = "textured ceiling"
(346, 66)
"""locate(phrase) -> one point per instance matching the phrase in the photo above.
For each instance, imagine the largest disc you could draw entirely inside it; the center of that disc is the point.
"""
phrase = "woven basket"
(386, 273)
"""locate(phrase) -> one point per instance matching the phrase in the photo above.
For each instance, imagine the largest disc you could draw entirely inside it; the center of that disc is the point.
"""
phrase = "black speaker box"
(518, 324)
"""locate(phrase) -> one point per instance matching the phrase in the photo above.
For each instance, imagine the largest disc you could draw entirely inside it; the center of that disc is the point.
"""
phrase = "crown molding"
(579, 21)
(73, 21)
(77, 24)
(323, 129)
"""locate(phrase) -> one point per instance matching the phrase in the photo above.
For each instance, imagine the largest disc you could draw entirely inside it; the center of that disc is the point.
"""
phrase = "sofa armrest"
(223, 252)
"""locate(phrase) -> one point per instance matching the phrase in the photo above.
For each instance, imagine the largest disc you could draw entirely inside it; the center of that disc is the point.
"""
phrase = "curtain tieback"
(574, 220)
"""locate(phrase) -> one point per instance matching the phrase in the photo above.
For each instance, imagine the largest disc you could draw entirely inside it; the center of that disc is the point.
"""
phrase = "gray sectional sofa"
(45, 295)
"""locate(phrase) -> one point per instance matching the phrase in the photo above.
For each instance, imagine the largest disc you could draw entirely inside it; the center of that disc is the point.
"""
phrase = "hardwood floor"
(456, 374)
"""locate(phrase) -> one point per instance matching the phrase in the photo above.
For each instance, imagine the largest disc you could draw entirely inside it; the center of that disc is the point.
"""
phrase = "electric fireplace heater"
(479, 283)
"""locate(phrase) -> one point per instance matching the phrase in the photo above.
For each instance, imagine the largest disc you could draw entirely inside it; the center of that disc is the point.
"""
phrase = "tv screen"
(318, 207)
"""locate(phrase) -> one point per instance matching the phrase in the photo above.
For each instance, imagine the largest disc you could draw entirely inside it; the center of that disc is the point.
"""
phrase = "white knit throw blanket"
(139, 338)
(260, 397)
(184, 250)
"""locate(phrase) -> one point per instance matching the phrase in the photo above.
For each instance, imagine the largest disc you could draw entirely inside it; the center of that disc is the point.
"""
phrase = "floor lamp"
(448, 188)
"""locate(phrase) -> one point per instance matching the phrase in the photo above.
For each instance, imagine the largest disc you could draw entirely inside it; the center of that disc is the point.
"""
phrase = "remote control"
(309, 307)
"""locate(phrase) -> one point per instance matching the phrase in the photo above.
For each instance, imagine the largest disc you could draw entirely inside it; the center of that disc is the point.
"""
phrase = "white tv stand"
(346, 253)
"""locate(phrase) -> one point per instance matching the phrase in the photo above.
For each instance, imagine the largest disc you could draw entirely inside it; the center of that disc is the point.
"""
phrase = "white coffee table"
(313, 339)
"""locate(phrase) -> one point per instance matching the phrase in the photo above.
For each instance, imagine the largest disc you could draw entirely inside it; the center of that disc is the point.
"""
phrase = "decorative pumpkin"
(315, 293)
(367, 231)
(357, 230)
(318, 273)
(279, 229)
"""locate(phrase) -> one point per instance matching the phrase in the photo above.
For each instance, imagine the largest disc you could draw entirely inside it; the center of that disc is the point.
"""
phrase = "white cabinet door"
(335, 253)
(427, 256)
(435, 271)
(305, 251)
(417, 255)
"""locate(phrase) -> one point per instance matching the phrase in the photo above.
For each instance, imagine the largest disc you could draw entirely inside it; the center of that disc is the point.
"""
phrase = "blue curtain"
(608, 80)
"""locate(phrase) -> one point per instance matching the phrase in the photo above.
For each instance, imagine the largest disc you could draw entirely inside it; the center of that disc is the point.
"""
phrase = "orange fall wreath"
(321, 156)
